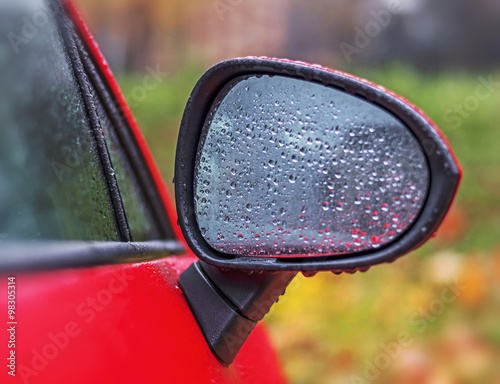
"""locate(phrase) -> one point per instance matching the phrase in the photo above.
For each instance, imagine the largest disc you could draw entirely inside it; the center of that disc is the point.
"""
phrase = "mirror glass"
(287, 167)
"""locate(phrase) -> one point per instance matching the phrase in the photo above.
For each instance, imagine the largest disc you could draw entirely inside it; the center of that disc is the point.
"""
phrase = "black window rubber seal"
(106, 165)
(127, 141)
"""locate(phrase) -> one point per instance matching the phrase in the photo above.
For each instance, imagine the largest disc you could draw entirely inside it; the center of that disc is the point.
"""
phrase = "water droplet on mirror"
(325, 205)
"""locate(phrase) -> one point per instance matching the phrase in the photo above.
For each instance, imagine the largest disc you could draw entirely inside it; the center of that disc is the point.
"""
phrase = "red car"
(281, 167)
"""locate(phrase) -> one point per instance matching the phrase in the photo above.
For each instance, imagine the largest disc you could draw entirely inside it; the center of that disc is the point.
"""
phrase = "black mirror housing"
(443, 170)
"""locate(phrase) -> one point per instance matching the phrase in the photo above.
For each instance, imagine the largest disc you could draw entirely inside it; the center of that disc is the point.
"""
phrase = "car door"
(90, 253)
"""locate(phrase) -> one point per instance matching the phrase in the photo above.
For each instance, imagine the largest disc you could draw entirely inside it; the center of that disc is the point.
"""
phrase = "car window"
(52, 184)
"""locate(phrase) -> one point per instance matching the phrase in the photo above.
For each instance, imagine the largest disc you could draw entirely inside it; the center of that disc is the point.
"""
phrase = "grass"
(329, 329)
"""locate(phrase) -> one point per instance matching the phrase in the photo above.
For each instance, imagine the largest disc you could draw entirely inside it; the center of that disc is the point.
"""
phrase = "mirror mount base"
(228, 304)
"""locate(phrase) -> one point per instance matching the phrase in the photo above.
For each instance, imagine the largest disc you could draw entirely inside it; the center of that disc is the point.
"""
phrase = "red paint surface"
(120, 324)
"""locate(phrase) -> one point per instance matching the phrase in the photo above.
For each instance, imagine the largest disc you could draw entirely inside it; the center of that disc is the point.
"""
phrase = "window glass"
(51, 181)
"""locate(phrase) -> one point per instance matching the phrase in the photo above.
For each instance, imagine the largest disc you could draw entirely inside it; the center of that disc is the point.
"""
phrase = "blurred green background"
(430, 317)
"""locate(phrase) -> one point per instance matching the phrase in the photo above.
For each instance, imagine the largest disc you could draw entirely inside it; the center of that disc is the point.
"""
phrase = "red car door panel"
(122, 324)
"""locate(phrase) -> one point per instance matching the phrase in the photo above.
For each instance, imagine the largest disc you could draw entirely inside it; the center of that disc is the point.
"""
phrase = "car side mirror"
(289, 167)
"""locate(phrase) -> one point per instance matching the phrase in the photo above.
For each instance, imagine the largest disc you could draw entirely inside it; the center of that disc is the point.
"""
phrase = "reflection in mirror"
(287, 167)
